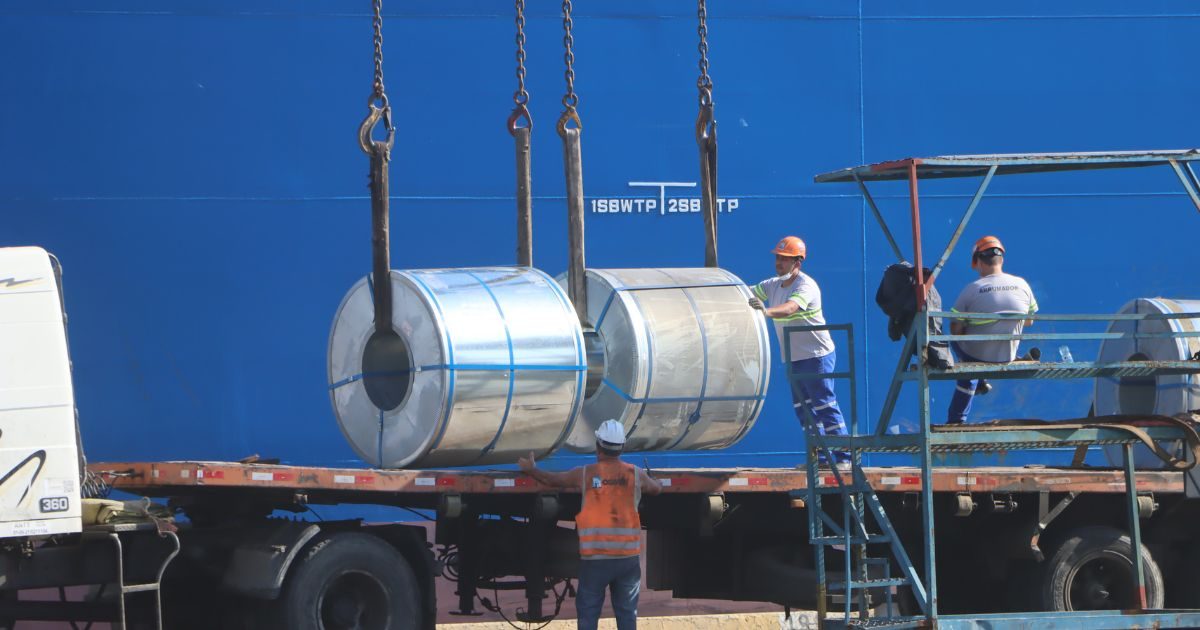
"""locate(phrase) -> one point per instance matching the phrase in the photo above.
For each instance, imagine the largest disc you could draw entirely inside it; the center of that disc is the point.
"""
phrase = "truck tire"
(1092, 569)
(349, 581)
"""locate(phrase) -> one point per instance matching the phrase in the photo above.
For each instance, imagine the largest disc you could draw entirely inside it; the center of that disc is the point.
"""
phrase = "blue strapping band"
(649, 381)
(576, 402)
(476, 367)
(512, 375)
(604, 311)
(500, 367)
(653, 287)
(359, 377)
(380, 443)
(695, 415)
(681, 399)
(437, 306)
(762, 380)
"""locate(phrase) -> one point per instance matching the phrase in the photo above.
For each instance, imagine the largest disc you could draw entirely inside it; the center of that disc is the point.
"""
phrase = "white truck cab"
(39, 442)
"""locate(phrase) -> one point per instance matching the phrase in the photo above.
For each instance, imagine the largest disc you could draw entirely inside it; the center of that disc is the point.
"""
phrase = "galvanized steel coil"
(483, 365)
(676, 355)
(1165, 395)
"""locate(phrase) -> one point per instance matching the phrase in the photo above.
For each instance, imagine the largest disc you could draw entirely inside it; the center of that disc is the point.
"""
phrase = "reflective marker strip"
(666, 483)
(185, 473)
(343, 479)
(739, 481)
(609, 531)
(353, 479)
(154, 473)
(262, 476)
(890, 481)
(505, 483)
(426, 481)
(1057, 481)
(966, 481)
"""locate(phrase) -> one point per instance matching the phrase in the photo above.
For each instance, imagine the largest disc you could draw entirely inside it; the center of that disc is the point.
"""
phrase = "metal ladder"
(112, 534)
(858, 498)
(852, 534)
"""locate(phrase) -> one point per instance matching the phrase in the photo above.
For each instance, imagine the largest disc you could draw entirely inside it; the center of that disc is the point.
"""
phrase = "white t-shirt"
(804, 291)
(997, 293)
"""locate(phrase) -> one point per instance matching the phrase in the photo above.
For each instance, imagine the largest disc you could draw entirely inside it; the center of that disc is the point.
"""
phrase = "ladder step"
(888, 622)
(854, 540)
(849, 488)
(877, 583)
(139, 588)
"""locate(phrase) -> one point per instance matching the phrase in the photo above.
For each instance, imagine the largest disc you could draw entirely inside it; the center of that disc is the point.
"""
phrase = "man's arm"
(649, 484)
(568, 479)
(1033, 305)
(783, 310)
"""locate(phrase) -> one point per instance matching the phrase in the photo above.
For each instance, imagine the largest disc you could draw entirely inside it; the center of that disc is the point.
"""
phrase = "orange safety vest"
(608, 524)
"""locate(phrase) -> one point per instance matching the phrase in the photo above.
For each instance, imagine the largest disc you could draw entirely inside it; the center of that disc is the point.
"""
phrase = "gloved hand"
(756, 304)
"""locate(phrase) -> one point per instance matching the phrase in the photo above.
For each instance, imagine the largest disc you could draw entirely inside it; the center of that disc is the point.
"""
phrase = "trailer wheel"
(350, 581)
(1092, 569)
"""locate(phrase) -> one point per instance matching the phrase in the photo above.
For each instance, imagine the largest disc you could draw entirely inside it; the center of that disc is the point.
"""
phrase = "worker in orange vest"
(609, 527)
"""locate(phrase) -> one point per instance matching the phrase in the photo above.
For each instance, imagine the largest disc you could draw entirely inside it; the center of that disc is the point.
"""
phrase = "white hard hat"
(611, 432)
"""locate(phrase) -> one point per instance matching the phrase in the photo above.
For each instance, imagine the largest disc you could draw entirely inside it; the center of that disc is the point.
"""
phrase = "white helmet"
(611, 435)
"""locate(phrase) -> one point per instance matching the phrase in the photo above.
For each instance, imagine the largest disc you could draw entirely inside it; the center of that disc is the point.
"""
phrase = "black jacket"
(897, 298)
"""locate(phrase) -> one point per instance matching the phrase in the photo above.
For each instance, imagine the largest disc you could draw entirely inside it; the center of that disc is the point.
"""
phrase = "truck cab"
(39, 439)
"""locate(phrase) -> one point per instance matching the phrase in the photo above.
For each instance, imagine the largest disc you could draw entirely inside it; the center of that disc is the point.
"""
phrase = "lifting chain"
(704, 83)
(706, 139)
(569, 100)
(377, 104)
(521, 96)
(521, 134)
(380, 152)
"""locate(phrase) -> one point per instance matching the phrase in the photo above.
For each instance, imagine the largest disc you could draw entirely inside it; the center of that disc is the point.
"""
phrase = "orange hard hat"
(791, 246)
(984, 244)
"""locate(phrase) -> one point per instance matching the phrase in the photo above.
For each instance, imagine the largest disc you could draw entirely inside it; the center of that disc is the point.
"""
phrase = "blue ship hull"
(196, 170)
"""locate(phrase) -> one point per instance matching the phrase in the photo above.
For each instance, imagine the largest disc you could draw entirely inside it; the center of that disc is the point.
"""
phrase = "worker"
(790, 298)
(609, 527)
(994, 292)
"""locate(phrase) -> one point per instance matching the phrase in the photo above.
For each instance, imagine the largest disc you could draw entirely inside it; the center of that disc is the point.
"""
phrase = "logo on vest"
(598, 482)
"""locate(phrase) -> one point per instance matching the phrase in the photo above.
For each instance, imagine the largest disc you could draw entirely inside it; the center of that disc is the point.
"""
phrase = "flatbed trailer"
(727, 533)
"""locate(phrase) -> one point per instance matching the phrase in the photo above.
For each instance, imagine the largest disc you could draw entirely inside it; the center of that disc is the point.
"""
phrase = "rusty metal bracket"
(1045, 516)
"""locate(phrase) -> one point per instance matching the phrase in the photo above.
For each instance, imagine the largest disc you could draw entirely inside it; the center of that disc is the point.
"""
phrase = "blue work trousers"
(964, 391)
(817, 395)
(621, 576)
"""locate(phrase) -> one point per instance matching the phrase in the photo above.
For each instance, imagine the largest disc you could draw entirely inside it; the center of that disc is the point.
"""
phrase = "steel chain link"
(521, 96)
(377, 22)
(570, 99)
(704, 83)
